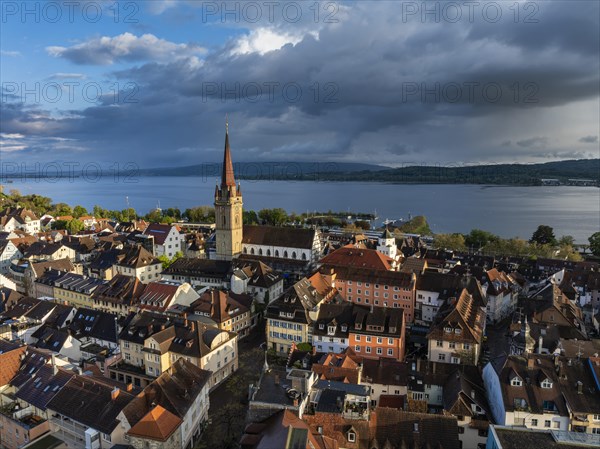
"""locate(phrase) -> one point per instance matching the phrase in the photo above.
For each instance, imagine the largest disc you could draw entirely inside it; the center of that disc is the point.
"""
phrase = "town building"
(228, 210)
(457, 334)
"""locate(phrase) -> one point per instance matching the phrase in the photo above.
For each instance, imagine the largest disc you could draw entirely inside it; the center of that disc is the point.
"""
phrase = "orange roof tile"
(157, 424)
(10, 362)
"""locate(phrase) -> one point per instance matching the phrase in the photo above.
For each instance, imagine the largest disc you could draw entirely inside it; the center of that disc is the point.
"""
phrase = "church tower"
(228, 209)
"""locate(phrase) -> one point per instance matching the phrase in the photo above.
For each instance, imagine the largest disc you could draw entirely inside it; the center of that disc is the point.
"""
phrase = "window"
(439, 344)
(351, 437)
(368, 349)
(442, 357)
(390, 351)
(358, 338)
(467, 346)
(534, 422)
(357, 348)
(379, 351)
(546, 383)
(547, 423)
(379, 340)
(596, 430)
(452, 345)
(556, 424)
(368, 339)
(516, 382)
(390, 341)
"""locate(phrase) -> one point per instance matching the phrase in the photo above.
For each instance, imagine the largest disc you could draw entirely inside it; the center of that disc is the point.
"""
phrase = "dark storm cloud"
(370, 83)
(589, 139)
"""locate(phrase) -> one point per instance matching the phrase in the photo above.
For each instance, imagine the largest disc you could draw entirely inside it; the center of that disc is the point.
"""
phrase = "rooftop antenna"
(579, 353)
(226, 123)
(127, 201)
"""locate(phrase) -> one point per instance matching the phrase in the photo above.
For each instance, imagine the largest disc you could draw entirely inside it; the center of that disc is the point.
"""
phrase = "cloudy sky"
(391, 83)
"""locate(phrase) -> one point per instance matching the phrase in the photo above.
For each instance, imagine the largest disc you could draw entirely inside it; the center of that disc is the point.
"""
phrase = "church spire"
(227, 178)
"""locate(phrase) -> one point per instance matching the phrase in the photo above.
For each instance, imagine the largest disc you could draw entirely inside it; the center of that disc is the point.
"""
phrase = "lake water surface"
(504, 210)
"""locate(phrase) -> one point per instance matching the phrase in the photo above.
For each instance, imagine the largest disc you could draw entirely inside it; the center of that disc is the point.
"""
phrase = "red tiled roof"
(350, 256)
(10, 362)
(158, 424)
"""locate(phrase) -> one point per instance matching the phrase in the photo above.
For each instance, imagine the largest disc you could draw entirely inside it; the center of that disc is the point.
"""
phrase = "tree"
(100, 212)
(79, 211)
(594, 240)
(274, 217)
(478, 238)
(249, 217)
(62, 209)
(454, 242)
(543, 235)
(74, 226)
(362, 224)
(566, 240)
(201, 214)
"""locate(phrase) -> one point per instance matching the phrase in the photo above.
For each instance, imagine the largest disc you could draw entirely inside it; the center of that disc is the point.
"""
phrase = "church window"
(268, 252)
(276, 253)
(293, 254)
(303, 256)
(252, 251)
(245, 250)
(260, 252)
(285, 254)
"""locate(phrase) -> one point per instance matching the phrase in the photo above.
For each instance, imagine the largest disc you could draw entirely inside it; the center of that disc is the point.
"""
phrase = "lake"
(508, 211)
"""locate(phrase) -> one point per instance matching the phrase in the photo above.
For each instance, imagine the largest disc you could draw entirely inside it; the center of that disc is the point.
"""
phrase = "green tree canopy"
(79, 211)
(454, 242)
(543, 235)
(74, 226)
(594, 240)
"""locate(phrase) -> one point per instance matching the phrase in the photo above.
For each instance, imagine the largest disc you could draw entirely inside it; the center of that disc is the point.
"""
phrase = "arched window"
(285, 254)
(276, 253)
(303, 256)
(268, 252)
(245, 250)
(260, 251)
(252, 251)
(293, 254)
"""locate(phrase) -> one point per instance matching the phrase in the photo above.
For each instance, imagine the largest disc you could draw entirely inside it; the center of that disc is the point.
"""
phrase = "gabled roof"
(160, 232)
(43, 385)
(464, 315)
(280, 236)
(174, 391)
(10, 360)
(94, 324)
(39, 268)
(136, 257)
(158, 424)
(90, 403)
(350, 256)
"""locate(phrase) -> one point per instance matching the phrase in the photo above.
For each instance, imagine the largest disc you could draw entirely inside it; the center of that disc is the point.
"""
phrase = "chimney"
(579, 387)
(418, 363)
(276, 379)
(472, 394)
(129, 387)
(296, 402)
(192, 326)
(530, 363)
(54, 367)
(540, 344)
(114, 394)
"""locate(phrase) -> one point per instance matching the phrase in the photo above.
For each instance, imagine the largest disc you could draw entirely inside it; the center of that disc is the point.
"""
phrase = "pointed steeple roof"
(227, 179)
(387, 234)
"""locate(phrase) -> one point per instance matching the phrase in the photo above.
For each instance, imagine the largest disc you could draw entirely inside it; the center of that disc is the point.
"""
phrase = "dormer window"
(516, 382)
(321, 326)
(351, 437)
(457, 331)
(344, 328)
(448, 330)
(331, 330)
(547, 383)
(358, 326)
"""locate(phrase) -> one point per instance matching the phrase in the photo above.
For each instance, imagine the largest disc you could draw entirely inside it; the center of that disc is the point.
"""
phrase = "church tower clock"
(228, 210)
